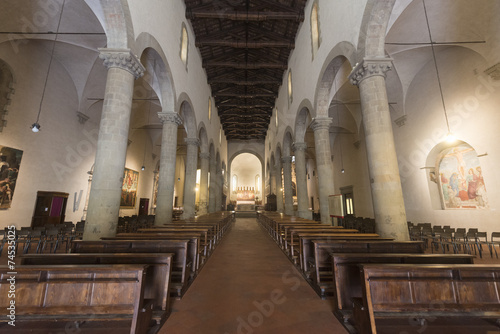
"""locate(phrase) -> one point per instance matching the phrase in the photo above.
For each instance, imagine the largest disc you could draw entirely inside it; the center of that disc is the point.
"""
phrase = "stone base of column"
(305, 214)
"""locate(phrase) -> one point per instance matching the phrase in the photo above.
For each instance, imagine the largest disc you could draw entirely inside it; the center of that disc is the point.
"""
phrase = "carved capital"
(170, 117)
(370, 67)
(82, 118)
(299, 147)
(321, 123)
(204, 155)
(122, 58)
(192, 141)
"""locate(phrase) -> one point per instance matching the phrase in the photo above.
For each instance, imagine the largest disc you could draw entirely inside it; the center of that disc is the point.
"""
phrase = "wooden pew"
(207, 240)
(290, 231)
(306, 247)
(182, 262)
(346, 285)
(320, 265)
(395, 294)
(158, 274)
(104, 293)
(195, 252)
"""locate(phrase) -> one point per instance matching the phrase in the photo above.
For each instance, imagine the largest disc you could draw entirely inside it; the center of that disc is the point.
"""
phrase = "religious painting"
(245, 194)
(129, 189)
(461, 180)
(10, 161)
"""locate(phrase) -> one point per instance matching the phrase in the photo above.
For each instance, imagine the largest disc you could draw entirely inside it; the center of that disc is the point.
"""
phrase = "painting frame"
(128, 198)
(10, 164)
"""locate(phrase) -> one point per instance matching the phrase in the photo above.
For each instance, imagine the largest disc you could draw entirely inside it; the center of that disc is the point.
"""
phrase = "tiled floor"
(249, 286)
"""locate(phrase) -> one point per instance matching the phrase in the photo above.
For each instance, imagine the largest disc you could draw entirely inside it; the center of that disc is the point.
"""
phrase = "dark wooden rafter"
(245, 47)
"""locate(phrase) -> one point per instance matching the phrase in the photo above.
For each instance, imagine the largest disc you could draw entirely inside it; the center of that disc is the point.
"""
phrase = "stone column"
(219, 183)
(107, 179)
(301, 177)
(212, 186)
(203, 202)
(166, 178)
(287, 178)
(387, 194)
(189, 203)
(321, 126)
(279, 187)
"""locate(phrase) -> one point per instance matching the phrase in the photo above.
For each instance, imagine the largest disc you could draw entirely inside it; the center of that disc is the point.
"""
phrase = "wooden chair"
(495, 240)
(482, 239)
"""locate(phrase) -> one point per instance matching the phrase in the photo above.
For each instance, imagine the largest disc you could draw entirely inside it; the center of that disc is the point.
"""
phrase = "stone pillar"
(218, 189)
(387, 194)
(203, 201)
(107, 179)
(279, 187)
(189, 203)
(272, 181)
(321, 126)
(213, 185)
(166, 177)
(287, 177)
(301, 177)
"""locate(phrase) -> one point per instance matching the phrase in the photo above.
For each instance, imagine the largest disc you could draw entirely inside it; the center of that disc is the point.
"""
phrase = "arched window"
(290, 92)
(184, 45)
(209, 108)
(460, 178)
(257, 184)
(234, 184)
(315, 32)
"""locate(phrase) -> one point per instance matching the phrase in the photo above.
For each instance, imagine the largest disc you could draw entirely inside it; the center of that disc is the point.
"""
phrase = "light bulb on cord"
(450, 138)
(35, 127)
(143, 167)
(342, 171)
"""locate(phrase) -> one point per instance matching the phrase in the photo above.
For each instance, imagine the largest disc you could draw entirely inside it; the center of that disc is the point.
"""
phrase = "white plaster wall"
(472, 101)
(58, 157)
(166, 28)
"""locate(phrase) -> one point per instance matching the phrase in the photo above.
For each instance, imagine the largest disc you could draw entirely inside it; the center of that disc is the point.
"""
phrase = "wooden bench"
(195, 252)
(394, 295)
(320, 266)
(158, 275)
(290, 231)
(345, 282)
(306, 246)
(182, 262)
(105, 293)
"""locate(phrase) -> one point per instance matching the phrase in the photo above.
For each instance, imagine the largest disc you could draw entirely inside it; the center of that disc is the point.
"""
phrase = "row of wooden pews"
(129, 278)
(379, 285)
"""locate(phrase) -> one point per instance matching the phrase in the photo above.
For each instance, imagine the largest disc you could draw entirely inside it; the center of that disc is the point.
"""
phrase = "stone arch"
(188, 115)
(116, 20)
(287, 142)
(202, 135)
(325, 84)
(302, 121)
(371, 42)
(164, 83)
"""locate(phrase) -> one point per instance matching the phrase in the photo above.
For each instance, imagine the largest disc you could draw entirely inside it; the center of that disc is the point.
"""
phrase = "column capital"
(370, 67)
(205, 155)
(170, 117)
(122, 58)
(320, 123)
(286, 160)
(299, 146)
(192, 141)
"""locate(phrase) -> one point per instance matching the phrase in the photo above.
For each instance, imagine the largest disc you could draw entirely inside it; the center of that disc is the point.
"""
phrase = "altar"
(245, 199)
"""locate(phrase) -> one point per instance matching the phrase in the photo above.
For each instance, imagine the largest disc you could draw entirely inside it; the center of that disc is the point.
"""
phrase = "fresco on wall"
(129, 189)
(461, 179)
(10, 161)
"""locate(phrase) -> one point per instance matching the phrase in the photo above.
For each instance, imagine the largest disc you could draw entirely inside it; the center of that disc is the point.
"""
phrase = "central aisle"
(249, 286)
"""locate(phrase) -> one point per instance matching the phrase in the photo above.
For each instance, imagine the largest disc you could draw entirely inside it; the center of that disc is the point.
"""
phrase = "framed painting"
(10, 161)
(129, 189)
